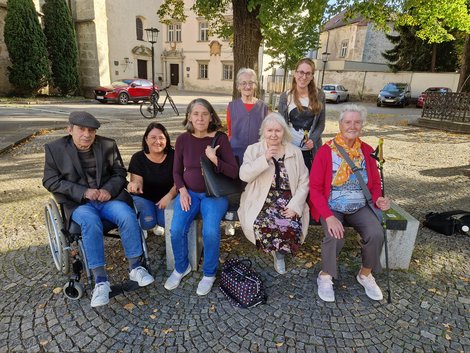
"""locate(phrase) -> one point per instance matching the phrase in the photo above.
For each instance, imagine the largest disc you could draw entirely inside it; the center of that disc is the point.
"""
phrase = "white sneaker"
(279, 263)
(325, 288)
(141, 276)
(175, 278)
(229, 229)
(157, 230)
(372, 289)
(100, 294)
(205, 285)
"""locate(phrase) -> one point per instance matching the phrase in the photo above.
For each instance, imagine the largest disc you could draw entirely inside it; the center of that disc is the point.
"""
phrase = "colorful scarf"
(344, 172)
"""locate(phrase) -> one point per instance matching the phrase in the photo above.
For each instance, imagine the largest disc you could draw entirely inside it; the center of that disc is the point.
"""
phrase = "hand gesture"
(383, 203)
(288, 213)
(211, 153)
(185, 199)
(335, 227)
(92, 194)
(135, 187)
(271, 152)
(104, 195)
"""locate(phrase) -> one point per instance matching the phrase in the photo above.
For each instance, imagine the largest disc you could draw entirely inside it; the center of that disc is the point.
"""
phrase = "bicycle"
(149, 109)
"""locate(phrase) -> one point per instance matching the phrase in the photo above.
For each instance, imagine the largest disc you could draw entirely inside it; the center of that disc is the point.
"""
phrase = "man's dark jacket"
(65, 178)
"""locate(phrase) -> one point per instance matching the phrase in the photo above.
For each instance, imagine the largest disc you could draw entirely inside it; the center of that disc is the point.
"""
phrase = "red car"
(422, 96)
(123, 91)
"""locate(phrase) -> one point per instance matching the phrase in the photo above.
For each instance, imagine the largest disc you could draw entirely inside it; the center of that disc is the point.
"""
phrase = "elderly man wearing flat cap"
(85, 172)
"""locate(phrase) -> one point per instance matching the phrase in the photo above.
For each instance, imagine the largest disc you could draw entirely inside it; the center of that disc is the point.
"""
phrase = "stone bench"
(402, 229)
(194, 238)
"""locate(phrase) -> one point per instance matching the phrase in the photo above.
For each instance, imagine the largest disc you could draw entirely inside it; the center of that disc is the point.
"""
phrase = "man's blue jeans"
(88, 217)
(212, 210)
(149, 213)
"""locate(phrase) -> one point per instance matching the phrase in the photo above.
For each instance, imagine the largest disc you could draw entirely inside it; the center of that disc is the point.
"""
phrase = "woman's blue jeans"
(212, 210)
(88, 217)
(149, 213)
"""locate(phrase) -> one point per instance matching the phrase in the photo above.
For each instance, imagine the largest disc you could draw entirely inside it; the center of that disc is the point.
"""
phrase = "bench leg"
(194, 246)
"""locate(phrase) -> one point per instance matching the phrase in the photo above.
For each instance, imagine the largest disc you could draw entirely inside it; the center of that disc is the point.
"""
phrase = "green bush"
(61, 46)
(26, 44)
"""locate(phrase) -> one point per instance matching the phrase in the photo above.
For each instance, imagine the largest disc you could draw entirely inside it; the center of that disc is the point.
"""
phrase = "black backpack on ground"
(448, 223)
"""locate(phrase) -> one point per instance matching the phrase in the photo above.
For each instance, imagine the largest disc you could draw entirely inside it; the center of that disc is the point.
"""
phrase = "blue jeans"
(89, 216)
(149, 213)
(212, 210)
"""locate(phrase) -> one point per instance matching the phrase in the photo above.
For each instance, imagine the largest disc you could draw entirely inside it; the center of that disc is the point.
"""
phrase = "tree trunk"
(464, 80)
(246, 38)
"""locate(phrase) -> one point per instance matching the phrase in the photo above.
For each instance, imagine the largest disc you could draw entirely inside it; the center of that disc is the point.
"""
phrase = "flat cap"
(82, 118)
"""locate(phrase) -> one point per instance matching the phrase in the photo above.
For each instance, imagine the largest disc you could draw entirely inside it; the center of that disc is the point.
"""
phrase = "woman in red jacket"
(336, 197)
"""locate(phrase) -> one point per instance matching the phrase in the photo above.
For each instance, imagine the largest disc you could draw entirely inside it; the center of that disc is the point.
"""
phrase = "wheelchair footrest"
(127, 286)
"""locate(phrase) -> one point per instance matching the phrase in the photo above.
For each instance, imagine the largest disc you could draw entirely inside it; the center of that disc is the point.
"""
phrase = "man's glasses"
(303, 73)
(247, 83)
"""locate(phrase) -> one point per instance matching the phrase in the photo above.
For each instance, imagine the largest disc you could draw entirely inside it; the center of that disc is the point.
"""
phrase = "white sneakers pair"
(203, 288)
(101, 291)
(327, 293)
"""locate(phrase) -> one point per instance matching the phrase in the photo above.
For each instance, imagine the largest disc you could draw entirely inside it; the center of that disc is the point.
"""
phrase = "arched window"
(139, 29)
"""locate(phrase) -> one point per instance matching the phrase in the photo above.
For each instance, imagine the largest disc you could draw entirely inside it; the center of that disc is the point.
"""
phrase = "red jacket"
(321, 177)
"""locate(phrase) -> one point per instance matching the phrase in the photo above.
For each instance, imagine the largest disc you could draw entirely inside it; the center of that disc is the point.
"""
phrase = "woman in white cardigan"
(273, 211)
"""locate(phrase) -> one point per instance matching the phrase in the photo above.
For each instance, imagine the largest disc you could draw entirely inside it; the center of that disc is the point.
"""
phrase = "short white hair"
(251, 72)
(354, 108)
(275, 117)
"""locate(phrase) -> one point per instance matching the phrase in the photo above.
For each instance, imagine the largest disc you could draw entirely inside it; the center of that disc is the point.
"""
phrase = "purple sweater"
(187, 166)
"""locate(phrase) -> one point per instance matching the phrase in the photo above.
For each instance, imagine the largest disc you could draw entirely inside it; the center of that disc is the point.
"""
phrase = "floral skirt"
(273, 231)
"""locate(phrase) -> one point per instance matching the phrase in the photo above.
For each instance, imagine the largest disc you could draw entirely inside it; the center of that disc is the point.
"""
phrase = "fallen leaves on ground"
(57, 290)
(129, 306)
(167, 330)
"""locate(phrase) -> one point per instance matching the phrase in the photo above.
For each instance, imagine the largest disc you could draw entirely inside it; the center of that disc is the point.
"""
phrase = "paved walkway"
(430, 312)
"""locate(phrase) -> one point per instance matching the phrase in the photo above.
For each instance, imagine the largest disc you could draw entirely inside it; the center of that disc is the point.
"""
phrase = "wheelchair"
(68, 251)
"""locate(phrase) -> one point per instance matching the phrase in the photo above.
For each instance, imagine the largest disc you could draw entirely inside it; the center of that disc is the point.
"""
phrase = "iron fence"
(449, 107)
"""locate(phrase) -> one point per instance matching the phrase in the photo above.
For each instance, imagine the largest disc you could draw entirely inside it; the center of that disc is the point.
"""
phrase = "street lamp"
(324, 58)
(152, 35)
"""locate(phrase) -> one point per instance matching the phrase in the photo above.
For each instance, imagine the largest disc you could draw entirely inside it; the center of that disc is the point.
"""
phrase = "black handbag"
(218, 184)
(448, 223)
(241, 285)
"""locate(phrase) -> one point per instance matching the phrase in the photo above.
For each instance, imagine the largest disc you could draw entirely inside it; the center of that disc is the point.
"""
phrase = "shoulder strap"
(356, 170)
(216, 137)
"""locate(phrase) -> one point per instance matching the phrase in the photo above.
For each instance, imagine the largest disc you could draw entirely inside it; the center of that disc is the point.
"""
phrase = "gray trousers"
(370, 230)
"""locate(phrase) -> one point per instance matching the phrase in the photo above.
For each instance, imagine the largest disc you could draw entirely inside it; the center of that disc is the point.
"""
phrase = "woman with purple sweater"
(201, 124)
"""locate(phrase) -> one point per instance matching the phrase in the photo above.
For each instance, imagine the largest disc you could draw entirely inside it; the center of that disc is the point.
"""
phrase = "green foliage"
(435, 20)
(411, 53)
(287, 28)
(26, 46)
(61, 45)
(171, 10)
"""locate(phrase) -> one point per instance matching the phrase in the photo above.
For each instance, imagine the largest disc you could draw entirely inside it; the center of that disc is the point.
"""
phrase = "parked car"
(123, 91)
(335, 93)
(422, 96)
(398, 94)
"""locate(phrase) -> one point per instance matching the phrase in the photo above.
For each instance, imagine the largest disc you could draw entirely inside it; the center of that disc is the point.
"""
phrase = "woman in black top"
(151, 172)
(303, 107)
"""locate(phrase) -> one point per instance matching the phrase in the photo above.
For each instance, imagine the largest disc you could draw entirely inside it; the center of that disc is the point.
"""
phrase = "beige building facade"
(112, 45)
(193, 58)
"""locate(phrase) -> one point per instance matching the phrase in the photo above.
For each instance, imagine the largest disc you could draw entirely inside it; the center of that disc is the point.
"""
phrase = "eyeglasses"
(246, 83)
(303, 73)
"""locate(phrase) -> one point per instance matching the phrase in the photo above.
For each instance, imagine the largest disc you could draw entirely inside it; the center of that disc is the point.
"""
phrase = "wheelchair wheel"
(57, 240)
(73, 290)
(145, 254)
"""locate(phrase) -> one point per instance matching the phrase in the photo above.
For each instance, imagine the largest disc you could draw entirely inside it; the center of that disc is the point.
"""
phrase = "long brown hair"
(313, 100)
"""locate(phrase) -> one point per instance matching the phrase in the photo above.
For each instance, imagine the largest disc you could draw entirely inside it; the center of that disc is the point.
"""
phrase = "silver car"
(335, 93)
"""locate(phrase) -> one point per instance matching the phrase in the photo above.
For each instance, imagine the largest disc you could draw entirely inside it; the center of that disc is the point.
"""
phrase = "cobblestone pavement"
(430, 312)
